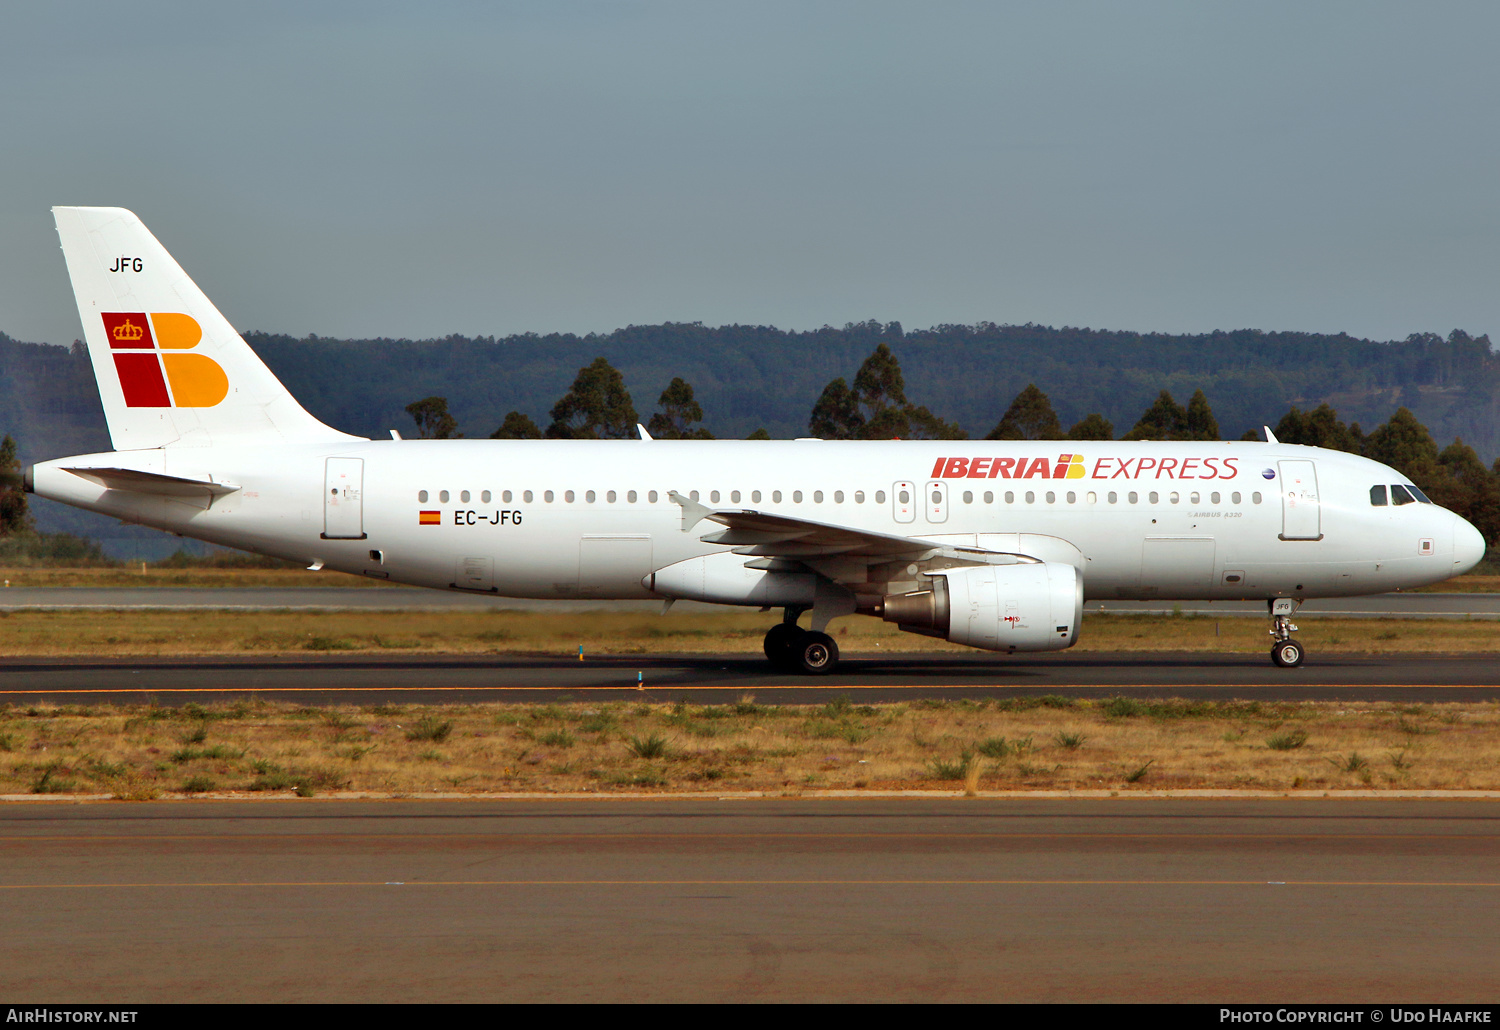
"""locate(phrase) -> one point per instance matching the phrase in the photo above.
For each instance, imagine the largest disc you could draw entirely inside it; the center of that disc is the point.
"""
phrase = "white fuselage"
(585, 519)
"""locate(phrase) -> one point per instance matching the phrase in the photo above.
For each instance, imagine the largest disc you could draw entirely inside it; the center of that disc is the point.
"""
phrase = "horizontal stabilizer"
(139, 482)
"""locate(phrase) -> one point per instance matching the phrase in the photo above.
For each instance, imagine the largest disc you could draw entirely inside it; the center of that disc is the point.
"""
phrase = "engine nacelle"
(1035, 607)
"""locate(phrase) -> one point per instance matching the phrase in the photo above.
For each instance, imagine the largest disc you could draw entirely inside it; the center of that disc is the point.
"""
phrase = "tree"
(922, 424)
(1319, 427)
(876, 408)
(836, 414)
(1200, 423)
(881, 389)
(1029, 417)
(1164, 420)
(432, 418)
(759, 434)
(517, 427)
(1404, 444)
(678, 412)
(596, 408)
(1095, 427)
(14, 515)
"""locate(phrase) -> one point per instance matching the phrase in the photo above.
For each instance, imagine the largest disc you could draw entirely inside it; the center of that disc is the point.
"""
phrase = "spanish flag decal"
(430, 518)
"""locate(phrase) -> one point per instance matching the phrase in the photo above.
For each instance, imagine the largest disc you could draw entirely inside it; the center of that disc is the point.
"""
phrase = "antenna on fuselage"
(1270, 436)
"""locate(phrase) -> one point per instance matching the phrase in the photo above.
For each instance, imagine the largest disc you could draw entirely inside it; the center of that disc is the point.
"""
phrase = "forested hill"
(747, 377)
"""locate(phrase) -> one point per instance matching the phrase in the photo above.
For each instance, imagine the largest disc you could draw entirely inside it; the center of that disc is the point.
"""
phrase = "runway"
(686, 900)
(1385, 606)
(719, 679)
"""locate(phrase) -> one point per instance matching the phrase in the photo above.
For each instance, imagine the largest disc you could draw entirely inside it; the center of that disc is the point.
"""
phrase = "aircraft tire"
(1287, 653)
(779, 641)
(815, 654)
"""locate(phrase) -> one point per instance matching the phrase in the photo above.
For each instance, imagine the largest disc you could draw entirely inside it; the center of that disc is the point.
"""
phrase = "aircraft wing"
(762, 534)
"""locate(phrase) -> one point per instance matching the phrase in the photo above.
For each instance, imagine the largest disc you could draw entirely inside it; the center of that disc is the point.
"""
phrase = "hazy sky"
(420, 169)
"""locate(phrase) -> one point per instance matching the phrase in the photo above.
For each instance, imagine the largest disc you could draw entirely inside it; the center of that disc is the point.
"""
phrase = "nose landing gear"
(1285, 652)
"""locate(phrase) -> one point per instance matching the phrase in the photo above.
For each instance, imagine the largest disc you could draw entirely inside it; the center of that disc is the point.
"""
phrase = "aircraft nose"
(1468, 546)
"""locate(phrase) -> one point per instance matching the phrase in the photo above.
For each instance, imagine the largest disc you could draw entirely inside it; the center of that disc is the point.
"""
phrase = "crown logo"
(128, 330)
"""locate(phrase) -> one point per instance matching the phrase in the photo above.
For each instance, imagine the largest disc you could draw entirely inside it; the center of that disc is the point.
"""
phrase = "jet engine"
(1031, 607)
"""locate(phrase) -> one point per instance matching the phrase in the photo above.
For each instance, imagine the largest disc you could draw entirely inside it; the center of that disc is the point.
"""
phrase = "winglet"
(642, 430)
(1270, 436)
(692, 512)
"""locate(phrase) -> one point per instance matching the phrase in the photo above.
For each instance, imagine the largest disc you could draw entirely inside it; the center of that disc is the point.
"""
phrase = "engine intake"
(997, 607)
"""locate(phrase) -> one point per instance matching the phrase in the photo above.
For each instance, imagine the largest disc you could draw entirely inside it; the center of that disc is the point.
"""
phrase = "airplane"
(992, 544)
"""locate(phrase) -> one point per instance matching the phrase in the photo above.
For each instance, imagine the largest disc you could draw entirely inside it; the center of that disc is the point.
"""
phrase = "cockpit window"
(1377, 496)
(1419, 494)
(1399, 495)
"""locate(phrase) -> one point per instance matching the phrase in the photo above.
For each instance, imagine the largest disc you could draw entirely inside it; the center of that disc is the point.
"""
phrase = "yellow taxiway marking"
(753, 883)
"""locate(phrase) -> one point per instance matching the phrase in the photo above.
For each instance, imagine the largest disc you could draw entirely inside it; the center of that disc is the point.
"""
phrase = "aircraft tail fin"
(171, 370)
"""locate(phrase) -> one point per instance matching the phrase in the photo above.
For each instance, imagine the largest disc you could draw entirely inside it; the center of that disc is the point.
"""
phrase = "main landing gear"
(795, 649)
(1285, 651)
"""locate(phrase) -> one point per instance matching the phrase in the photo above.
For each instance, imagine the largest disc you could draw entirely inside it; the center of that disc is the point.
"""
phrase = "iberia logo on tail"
(154, 372)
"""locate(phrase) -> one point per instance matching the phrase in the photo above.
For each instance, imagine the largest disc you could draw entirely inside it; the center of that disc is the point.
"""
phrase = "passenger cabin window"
(838, 497)
(817, 496)
(1400, 495)
(879, 496)
(859, 497)
(1133, 497)
(754, 496)
(1255, 497)
(610, 497)
(968, 496)
(1030, 496)
(484, 497)
(713, 497)
(568, 496)
(1153, 497)
(589, 496)
(1377, 496)
(547, 496)
(1072, 497)
(903, 497)
(651, 497)
(463, 495)
(989, 497)
(630, 496)
(506, 496)
(443, 496)
(1010, 497)
(734, 497)
(526, 496)
(1235, 497)
(796, 496)
(421, 496)
(776, 496)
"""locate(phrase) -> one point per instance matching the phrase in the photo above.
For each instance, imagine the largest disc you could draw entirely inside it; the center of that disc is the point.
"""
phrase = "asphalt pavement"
(718, 679)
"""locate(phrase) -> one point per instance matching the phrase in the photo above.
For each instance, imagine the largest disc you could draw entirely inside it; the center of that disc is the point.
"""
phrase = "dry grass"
(190, 632)
(144, 574)
(141, 752)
